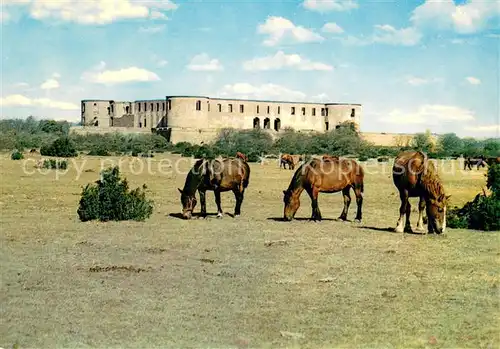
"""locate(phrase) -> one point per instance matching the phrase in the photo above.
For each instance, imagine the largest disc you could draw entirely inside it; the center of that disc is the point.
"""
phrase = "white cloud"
(330, 5)
(386, 34)
(152, 29)
(389, 35)
(18, 100)
(96, 11)
(50, 84)
(280, 29)
(265, 91)
(416, 81)
(469, 17)
(131, 74)
(203, 62)
(283, 61)
(429, 115)
(332, 28)
(485, 128)
(472, 80)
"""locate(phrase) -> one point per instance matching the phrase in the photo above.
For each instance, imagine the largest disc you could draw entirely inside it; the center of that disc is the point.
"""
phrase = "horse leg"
(408, 212)
(403, 195)
(347, 201)
(421, 208)
(359, 203)
(217, 202)
(238, 195)
(203, 203)
(316, 214)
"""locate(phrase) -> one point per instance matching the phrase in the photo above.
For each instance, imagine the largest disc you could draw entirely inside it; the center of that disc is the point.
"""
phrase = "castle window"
(157, 106)
(230, 106)
(322, 111)
(138, 107)
(109, 111)
(326, 126)
(95, 104)
(256, 123)
(241, 108)
(303, 111)
(152, 109)
(293, 111)
(279, 109)
(353, 112)
(144, 122)
(268, 109)
(127, 109)
(257, 109)
(313, 111)
(267, 123)
(169, 104)
(208, 106)
(145, 107)
(219, 106)
(277, 124)
(198, 105)
(326, 111)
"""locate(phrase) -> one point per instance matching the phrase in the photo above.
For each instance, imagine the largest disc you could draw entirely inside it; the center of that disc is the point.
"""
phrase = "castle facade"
(197, 119)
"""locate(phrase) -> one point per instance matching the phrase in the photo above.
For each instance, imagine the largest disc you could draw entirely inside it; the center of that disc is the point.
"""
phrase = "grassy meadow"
(249, 282)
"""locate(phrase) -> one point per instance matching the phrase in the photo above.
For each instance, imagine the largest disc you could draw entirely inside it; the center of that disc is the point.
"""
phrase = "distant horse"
(468, 163)
(319, 176)
(33, 151)
(290, 160)
(218, 175)
(415, 176)
(242, 156)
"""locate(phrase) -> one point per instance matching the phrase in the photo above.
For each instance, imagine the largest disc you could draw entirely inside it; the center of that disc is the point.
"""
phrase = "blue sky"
(414, 65)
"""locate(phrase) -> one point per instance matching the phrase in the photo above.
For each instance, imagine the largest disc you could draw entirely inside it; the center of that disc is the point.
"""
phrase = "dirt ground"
(249, 282)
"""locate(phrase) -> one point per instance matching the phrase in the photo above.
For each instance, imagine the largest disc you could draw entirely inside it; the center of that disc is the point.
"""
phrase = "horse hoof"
(219, 215)
(398, 230)
(357, 221)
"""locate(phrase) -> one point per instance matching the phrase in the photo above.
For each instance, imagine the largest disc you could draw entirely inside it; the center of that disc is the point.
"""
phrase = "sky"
(413, 65)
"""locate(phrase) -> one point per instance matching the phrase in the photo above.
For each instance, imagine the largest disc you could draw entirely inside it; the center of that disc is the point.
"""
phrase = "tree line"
(343, 141)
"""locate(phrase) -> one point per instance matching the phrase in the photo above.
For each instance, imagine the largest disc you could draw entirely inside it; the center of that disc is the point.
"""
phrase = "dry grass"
(225, 284)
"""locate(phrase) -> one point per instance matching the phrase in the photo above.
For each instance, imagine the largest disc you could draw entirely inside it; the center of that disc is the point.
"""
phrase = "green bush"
(483, 213)
(16, 155)
(99, 150)
(110, 199)
(55, 164)
(62, 147)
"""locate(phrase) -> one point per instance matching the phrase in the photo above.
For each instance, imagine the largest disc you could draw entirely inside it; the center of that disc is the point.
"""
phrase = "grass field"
(223, 283)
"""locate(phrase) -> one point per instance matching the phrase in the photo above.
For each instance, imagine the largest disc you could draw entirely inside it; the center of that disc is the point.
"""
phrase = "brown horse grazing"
(415, 176)
(219, 175)
(287, 159)
(242, 156)
(319, 176)
(468, 163)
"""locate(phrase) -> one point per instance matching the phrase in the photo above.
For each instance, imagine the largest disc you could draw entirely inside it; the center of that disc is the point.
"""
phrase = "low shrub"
(110, 199)
(483, 213)
(99, 150)
(55, 164)
(16, 155)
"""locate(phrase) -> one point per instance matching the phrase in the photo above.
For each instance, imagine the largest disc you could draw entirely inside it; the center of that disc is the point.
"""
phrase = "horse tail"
(246, 177)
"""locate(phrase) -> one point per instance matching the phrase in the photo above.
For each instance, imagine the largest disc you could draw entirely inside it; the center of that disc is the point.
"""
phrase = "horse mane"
(430, 180)
(297, 177)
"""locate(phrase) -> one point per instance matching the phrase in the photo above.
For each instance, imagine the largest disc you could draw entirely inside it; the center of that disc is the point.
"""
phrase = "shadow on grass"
(280, 219)
(195, 215)
(391, 230)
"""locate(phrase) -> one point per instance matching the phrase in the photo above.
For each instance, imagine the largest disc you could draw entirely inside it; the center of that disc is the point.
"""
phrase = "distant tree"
(449, 144)
(423, 142)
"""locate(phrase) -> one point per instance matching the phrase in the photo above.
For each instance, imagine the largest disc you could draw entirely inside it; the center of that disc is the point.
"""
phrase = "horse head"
(188, 204)
(292, 204)
(436, 213)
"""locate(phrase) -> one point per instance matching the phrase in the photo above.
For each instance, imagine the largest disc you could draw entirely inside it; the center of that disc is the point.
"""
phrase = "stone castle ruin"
(197, 119)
